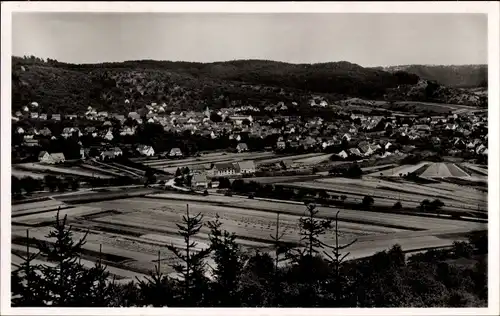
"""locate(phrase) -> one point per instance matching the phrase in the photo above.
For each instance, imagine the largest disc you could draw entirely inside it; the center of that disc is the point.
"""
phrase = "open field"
(270, 180)
(132, 230)
(410, 194)
(293, 158)
(22, 174)
(230, 157)
(477, 169)
(70, 171)
(400, 170)
(314, 160)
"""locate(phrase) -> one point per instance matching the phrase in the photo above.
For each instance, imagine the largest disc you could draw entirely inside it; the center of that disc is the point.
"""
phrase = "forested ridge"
(63, 87)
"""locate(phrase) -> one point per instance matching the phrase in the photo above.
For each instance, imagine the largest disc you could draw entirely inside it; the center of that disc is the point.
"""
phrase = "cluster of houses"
(365, 134)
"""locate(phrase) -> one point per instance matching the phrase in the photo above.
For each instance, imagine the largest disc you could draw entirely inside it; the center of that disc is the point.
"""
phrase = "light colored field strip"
(371, 187)
(314, 160)
(102, 170)
(115, 168)
(69, 171)
(21, 174)
(477, 169)
(38, 218)
(35, 205)
(401, 169)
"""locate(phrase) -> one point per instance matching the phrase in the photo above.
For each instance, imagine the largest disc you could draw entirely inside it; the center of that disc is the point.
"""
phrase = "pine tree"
(62, 279)
(311, 229)
(337, 259)
(94, 287)
(26, 288)
(191, 265)
(229, 263)
(155, 289)
(279, 249)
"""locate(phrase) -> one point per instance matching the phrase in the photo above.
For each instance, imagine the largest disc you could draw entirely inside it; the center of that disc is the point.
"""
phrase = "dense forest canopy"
(63, 87)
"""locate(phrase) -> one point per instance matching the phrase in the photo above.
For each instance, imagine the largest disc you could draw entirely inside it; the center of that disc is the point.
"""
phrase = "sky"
(362, 38)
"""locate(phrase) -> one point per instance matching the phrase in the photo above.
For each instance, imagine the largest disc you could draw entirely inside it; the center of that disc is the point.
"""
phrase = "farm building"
(45, 157)
(281, 145)
(246, 167)
(242, 147)
(107, 155)
(146, 150)
(225, 169)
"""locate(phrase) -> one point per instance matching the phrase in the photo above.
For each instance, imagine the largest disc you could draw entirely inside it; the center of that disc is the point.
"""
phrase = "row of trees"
(309, 274)
(53, 183)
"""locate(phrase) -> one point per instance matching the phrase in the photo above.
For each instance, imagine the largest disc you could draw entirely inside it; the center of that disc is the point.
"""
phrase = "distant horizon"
(366, 39)
(231, 60)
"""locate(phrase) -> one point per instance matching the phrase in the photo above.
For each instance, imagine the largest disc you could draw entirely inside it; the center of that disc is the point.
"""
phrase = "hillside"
(462, 76)
(60, 87)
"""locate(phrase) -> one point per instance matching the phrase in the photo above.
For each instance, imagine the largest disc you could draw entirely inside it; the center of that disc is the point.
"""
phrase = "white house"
(343, 154)
(45, 157)
(109, 135)
(225, 169)
(146, 150)
(127, 131)
(175, 152)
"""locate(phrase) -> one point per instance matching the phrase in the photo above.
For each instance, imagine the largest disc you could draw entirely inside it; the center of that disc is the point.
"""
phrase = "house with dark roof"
(199, 181)
(225, 169)
(107, 155)
(246, 167)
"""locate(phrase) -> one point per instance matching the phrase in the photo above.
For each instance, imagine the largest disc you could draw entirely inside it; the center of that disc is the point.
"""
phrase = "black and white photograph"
(249, 159)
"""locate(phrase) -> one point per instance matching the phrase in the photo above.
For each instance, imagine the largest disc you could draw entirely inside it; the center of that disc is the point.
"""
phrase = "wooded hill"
(63, 88)
(461, 76)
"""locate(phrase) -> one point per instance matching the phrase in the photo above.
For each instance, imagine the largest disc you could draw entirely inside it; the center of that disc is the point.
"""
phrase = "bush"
(205, 193)
(397, 206)
(367, 202)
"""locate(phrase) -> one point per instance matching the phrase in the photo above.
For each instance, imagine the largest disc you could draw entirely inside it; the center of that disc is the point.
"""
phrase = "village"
(347, 135)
